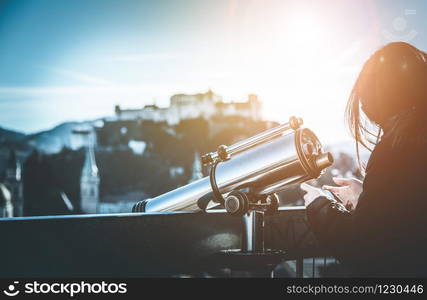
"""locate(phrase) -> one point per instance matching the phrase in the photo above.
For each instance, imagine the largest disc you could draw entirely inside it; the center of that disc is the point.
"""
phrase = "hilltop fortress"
(186, 106)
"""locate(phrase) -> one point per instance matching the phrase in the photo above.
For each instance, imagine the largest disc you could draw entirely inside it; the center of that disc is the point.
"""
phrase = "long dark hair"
(392, 83)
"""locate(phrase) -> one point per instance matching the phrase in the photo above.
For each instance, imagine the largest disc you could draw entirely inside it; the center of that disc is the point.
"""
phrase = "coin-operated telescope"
(258, 167)
(245, 177)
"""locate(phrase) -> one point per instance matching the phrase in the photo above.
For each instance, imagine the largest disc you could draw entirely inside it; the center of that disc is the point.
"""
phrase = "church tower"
(13, 182)
(6, 207)
(255, 107)
(196, 173)
(89, 182)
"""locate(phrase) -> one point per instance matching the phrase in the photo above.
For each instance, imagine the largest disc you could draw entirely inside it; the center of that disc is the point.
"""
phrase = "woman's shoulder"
(408, 129)
(405, 144)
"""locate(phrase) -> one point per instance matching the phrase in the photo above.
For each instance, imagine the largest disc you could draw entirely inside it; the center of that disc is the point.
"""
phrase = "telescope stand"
(253, 260)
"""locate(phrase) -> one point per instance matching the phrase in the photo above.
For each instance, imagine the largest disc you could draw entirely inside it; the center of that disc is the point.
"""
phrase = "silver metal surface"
(266, 168)
(293, 124)
(253, 232)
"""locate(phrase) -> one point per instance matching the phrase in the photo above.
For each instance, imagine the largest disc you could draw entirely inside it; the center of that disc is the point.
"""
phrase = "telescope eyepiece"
(324, 160)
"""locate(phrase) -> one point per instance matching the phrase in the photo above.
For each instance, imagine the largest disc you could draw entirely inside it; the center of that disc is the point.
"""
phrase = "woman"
(380, 228)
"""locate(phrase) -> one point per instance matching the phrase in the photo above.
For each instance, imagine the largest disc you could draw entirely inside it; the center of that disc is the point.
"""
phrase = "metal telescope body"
(265, 164)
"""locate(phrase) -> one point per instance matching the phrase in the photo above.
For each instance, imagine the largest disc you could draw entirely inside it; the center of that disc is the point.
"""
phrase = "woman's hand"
(312, 193)
(348, 191)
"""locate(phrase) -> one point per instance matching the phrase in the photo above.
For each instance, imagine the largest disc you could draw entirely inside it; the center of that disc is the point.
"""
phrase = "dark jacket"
(386, 234)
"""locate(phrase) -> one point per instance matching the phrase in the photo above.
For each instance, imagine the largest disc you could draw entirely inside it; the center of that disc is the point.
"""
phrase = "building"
(190, 106)
(90, 200)
(13, 183)
(89, 183)
(89, 178)
(196, 171)
(6, 207)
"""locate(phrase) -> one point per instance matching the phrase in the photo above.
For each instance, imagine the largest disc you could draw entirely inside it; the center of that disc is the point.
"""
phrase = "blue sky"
(74, 60)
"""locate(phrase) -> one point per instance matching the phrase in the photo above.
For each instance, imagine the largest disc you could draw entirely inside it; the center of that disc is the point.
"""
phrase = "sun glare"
(302, 74)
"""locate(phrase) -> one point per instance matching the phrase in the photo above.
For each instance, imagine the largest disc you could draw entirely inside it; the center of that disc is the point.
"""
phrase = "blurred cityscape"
(108, 164)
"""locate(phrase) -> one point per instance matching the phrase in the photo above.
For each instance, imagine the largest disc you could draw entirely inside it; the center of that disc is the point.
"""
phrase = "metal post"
(299, 267)
(253, 232)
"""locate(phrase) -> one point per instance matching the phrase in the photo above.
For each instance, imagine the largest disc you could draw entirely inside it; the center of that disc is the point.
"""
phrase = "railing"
(147, 245)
